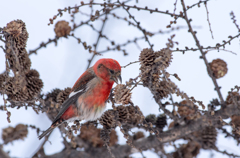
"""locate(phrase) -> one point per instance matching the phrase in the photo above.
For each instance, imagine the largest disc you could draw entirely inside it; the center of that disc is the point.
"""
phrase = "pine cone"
(147, 57)
(151, 64)
(91, 134)
(108, 119)
(236, 120)
(219, 68)
(62, 29)
(2, 80)
(32, 73)
(164, 58)
(113, 138)
(123, 113)
(189, 150)
(53, 94)
(16, 37)
(105, 135)
(138, 135)
(122, 94)
(34, 84)
(164, 88)
(186, 109)
(63, 95)
(135, 115)
(17, 30)
(151, 118)
(24, 60)
(161, 121)
(16, 89)
(51, 104)
(10, 134)
(208, 137)
(232, 96)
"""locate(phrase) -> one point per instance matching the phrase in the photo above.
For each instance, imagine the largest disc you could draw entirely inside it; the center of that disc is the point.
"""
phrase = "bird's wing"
(81, 84)
(78, 89)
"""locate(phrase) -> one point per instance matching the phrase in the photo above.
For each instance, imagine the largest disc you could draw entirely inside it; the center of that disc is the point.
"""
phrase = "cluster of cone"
(26, 84)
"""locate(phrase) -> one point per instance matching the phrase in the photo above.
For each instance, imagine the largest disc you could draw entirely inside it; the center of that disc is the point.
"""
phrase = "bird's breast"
(91, 104)
(97, 95)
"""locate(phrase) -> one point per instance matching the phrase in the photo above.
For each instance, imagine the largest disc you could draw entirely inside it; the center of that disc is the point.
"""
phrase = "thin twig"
(225, 152)
(218, 45)
(138, 25)
(129, 64)
(97, 42)
(224, 50)
(217, 88)
(3, 49)
(2, 40)
(209, 24)
(234, 20)
(175, 6)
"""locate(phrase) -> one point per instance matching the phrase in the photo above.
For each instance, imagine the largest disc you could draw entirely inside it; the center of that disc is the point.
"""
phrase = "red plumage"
(69, 113)
(89, 94)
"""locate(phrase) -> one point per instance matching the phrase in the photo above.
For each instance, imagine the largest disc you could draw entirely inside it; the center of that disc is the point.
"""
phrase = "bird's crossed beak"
(116, 78)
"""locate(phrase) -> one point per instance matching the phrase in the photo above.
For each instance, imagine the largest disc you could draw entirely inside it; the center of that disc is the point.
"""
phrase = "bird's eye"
(111, 71)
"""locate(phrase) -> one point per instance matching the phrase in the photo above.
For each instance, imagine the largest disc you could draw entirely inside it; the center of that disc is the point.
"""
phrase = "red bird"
(89, 94)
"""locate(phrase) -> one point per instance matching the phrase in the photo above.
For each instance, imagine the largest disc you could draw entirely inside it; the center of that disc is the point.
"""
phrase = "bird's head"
(108, 69)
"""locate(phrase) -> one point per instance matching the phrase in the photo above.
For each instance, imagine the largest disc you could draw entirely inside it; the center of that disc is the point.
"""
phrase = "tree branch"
(217, 88)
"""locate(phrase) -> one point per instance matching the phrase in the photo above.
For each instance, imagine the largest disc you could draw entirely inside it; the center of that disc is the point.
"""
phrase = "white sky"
(60, 66)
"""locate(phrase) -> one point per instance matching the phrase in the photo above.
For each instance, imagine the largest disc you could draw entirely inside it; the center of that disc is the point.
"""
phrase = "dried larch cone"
(32, 73)
(189, 150)
(122, 94)
(123, 113)
(109, 119)
(14, 89)
(63, 95)
(105, 135)
(16, 37)
(161, 121)
(236, 122)
(156, 61)
(91, 134)
(219, 68)
(24, 60)
(232, 97)
(151, 118)
(25, 88)
(17, 30)
(186, 109)
(34, 83)
(2, 80)
(135, 115)
(164, 58)
(147, 57)
(62, 29)
(53, 95)
(164, 88)
(10, 134)
(152, 65)
(208, 137)
(51, 104)
(138, 135)
(113, 138)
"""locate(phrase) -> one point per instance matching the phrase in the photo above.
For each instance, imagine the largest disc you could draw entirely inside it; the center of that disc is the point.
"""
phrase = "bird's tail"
(54, 125)
(46, 132)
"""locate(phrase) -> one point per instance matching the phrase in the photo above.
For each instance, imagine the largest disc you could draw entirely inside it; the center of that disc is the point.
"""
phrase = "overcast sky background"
(60, 66)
